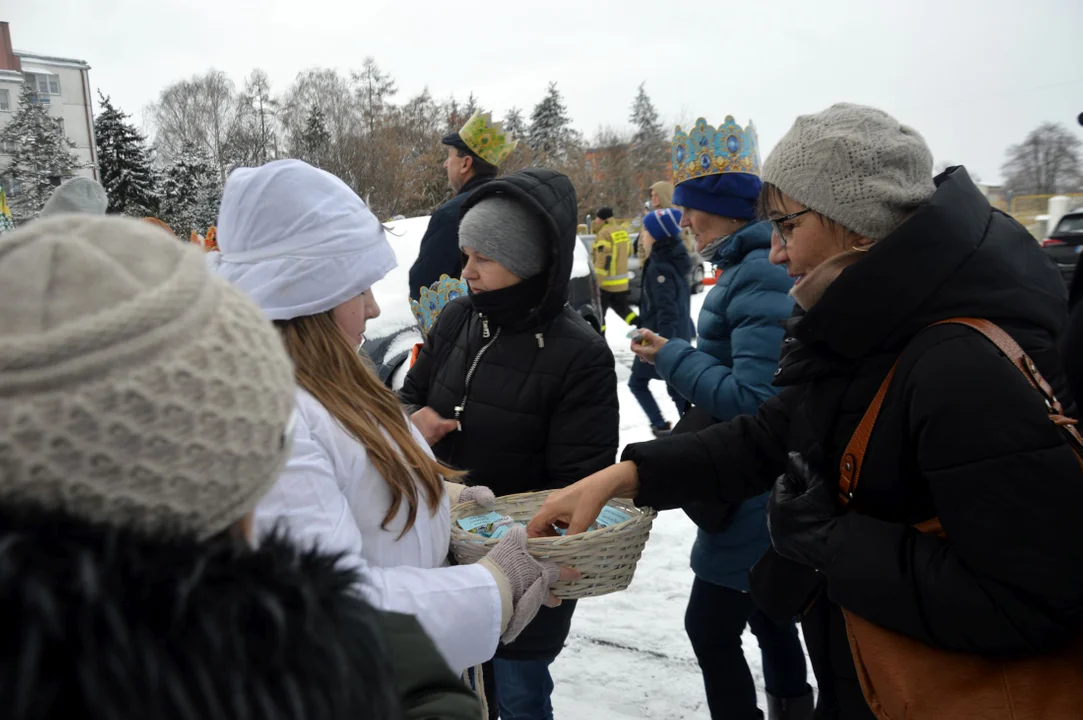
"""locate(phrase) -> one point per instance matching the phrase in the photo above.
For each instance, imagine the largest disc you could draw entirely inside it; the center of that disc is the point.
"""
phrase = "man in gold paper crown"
(474, 155)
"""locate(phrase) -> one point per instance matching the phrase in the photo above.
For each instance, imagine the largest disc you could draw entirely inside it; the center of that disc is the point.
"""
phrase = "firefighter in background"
(612, 247)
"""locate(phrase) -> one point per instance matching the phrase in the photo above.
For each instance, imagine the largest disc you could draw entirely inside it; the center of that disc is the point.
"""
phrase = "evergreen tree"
(124, 163)
(514, 122)
(315, 137)
(191, 192)
(650, 147)
(472, 106)
(551, 135)
(42, 156)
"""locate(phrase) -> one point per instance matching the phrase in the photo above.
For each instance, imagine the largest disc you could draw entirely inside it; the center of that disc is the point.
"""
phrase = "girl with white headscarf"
(360, 479)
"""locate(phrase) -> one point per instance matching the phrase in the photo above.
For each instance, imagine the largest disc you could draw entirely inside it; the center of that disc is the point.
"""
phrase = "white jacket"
(330, 495)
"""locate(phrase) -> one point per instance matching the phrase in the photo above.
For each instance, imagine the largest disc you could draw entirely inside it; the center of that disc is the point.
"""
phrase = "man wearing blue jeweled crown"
(474, 154)
(716, 174)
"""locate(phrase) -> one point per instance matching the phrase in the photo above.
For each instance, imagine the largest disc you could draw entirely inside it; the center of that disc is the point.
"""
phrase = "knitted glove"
(528, 579)
(479, 494)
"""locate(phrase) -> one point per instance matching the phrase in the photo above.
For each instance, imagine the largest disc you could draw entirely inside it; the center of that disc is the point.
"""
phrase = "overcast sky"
(973, 77)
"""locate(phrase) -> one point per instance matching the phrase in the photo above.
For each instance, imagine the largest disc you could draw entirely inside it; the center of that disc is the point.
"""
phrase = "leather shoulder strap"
(850, 467)
(854, 455)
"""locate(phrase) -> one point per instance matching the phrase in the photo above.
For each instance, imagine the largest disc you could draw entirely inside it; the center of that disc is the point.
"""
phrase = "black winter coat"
(541, 410)
(666, 304)
(101, 623)
(961, 436)
(439, 252)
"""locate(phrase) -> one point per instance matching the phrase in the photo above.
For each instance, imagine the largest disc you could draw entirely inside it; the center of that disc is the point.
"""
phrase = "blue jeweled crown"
(434, 298)
(709, 151)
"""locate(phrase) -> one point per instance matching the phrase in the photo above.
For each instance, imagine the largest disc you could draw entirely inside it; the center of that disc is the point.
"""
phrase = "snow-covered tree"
(191, 192)
(124, 163)
(42, 156)
(551, 136)
(650, 147)
(315, 138)
(514, 123)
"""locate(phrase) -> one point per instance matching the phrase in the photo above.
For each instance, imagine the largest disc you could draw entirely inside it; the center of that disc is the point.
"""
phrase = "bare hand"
(432, 427)
(646, 345)
(577, 506)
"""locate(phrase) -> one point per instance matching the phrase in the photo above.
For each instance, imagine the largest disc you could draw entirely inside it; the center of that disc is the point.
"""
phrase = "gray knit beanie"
(506, 231)
(78, 195)
(136, 388)
(855, 165)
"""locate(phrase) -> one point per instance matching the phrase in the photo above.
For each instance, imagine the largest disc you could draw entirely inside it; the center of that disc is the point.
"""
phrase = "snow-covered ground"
(627, 656)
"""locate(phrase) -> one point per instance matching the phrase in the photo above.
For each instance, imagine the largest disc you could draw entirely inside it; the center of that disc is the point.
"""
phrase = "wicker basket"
(605, 557)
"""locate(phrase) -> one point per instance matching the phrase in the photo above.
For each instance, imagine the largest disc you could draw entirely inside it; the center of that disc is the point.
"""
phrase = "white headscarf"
(297, 239)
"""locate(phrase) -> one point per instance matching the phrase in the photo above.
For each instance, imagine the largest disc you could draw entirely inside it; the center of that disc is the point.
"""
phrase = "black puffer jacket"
(439, 251)
(541, 411)
(961, 436)
(104, 624)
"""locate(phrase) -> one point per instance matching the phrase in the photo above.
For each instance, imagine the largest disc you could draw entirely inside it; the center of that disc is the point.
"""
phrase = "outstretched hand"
(577, 506)
(432, 427)
(646, 344)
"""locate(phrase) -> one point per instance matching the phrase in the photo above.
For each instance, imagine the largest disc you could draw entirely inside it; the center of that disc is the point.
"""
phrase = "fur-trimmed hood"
(104, 623)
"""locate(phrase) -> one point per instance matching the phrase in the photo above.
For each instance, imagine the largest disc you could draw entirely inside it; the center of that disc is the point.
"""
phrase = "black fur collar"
(109, 624)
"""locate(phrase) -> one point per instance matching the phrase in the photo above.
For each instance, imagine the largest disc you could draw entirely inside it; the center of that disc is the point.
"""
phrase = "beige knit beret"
(855, 165)
(136, 388)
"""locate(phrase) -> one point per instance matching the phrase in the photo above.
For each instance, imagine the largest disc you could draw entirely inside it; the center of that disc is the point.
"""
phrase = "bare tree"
(1046, 162)
(262, 117)
(205, 112)
(613, 173)
(330, 92)
(375, 89)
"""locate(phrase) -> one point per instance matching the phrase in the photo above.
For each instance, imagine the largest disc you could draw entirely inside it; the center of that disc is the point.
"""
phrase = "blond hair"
(664, 191)
(328, 367)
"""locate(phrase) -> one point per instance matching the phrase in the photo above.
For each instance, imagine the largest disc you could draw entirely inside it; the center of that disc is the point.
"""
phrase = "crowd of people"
(213, 508)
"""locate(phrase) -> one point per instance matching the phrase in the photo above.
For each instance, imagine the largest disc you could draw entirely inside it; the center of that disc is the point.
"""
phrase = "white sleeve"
(459, 607)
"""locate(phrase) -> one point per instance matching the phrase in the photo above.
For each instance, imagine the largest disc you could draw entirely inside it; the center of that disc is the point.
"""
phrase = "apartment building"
(61, 83)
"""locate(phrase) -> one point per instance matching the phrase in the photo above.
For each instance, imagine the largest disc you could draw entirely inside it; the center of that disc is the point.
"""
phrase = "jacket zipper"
(474, 365)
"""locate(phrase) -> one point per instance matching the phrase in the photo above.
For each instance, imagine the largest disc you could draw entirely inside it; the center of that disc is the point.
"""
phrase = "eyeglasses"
(777, 224)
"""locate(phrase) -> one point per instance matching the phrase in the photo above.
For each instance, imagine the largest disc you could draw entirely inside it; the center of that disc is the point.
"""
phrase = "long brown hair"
(329, 368)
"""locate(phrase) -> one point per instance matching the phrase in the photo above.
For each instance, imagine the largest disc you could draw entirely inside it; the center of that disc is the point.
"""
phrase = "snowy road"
(627, 656)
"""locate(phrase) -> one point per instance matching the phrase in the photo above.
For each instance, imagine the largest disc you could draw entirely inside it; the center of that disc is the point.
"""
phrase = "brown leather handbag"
(904, 678)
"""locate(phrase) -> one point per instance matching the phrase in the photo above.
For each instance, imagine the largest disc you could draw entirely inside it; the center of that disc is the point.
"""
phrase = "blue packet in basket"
(611, 516)
(481, 524)
(502, 530)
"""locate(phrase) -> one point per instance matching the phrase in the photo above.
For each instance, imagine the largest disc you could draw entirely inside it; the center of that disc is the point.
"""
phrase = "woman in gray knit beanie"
(145, 408)
(925, 484)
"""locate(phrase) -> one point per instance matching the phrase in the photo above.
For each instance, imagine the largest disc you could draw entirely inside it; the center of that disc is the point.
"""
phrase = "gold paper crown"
(487, 139)
(706, 150)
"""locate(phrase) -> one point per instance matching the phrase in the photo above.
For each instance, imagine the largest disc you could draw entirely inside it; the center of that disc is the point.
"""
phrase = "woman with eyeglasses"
(726, 374)
(880, 253)
(360, 479)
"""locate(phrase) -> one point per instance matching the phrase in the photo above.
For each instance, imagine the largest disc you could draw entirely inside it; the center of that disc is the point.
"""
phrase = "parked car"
(635, 282)
(1065, 243)
(390, 338)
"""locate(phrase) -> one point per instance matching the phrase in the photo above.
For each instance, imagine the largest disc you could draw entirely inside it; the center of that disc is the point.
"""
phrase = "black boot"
(795, 708)
(663, 431)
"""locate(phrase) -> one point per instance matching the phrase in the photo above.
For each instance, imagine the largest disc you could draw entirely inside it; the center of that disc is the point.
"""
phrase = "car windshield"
(1071, 225)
